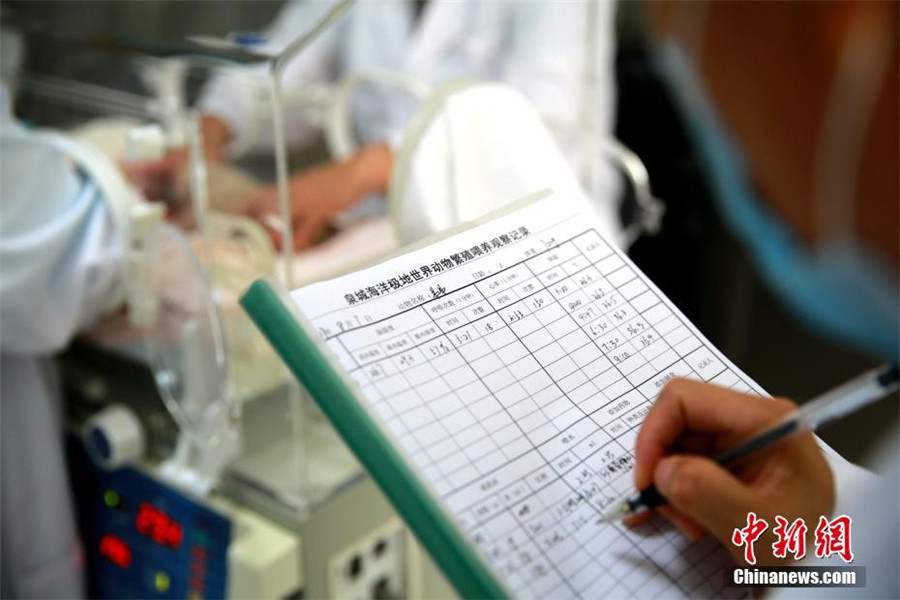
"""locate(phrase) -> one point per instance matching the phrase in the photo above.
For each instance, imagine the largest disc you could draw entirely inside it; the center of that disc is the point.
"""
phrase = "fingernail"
(663, 474)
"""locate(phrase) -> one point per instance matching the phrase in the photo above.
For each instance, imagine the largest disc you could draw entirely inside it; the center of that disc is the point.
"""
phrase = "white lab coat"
(873, 503)
(60, 257)
(538, 47)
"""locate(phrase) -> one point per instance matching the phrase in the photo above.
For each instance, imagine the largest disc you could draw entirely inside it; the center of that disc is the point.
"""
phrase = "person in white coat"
(60, 268)
(558, 54)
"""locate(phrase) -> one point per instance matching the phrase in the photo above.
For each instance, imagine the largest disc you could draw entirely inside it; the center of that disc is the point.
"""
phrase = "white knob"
(114, 436)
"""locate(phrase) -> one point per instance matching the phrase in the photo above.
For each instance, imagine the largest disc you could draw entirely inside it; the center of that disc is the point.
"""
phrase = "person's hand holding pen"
(692, 421)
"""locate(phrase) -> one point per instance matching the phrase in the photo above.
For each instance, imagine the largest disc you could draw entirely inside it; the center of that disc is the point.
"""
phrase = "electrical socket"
(373, 568)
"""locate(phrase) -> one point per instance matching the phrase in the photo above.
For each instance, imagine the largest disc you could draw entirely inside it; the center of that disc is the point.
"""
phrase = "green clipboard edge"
(303, 354)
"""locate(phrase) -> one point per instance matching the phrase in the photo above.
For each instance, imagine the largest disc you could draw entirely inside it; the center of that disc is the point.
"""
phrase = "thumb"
(306, 231)
(704, 491)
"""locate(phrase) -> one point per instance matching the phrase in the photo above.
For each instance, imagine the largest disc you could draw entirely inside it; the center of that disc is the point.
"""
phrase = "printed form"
(513, 363)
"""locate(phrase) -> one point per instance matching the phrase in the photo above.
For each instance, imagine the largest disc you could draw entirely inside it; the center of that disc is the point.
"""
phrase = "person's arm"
(236, 102)
(546, 57)
(692, 421)
(561, 55)
(321, 193)
(60, 247)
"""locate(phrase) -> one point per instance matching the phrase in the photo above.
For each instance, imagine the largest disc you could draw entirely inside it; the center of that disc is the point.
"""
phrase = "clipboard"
(521, 299)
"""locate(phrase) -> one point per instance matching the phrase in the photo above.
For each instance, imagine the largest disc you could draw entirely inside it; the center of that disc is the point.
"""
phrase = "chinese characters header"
(444, 264)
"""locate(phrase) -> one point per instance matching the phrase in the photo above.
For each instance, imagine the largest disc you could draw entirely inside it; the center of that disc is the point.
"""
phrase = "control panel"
(144, 539)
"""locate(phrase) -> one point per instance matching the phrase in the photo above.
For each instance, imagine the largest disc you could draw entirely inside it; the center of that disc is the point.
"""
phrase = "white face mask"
(842, 287)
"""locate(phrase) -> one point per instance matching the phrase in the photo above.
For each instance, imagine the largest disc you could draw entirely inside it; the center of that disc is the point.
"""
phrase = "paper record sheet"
(513, 364)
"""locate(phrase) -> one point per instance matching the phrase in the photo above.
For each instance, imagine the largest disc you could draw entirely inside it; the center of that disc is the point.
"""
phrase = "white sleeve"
(546, 58)
(871, 500)
(59, 246)
(240, 95)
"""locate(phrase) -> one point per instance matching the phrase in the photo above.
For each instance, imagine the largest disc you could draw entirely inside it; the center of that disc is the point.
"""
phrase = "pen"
(843, 400)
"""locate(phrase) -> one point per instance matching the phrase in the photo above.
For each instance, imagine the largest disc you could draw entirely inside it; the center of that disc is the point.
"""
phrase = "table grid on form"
(519, 396)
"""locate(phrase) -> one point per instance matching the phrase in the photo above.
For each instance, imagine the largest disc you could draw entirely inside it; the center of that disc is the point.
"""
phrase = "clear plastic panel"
(186, 342)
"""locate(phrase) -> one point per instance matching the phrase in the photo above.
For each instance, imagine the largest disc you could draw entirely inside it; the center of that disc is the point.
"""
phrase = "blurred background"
(769, 131)
(768, 67)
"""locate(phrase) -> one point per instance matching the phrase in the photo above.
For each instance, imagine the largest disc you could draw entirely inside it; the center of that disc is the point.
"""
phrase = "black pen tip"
(889, 376)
